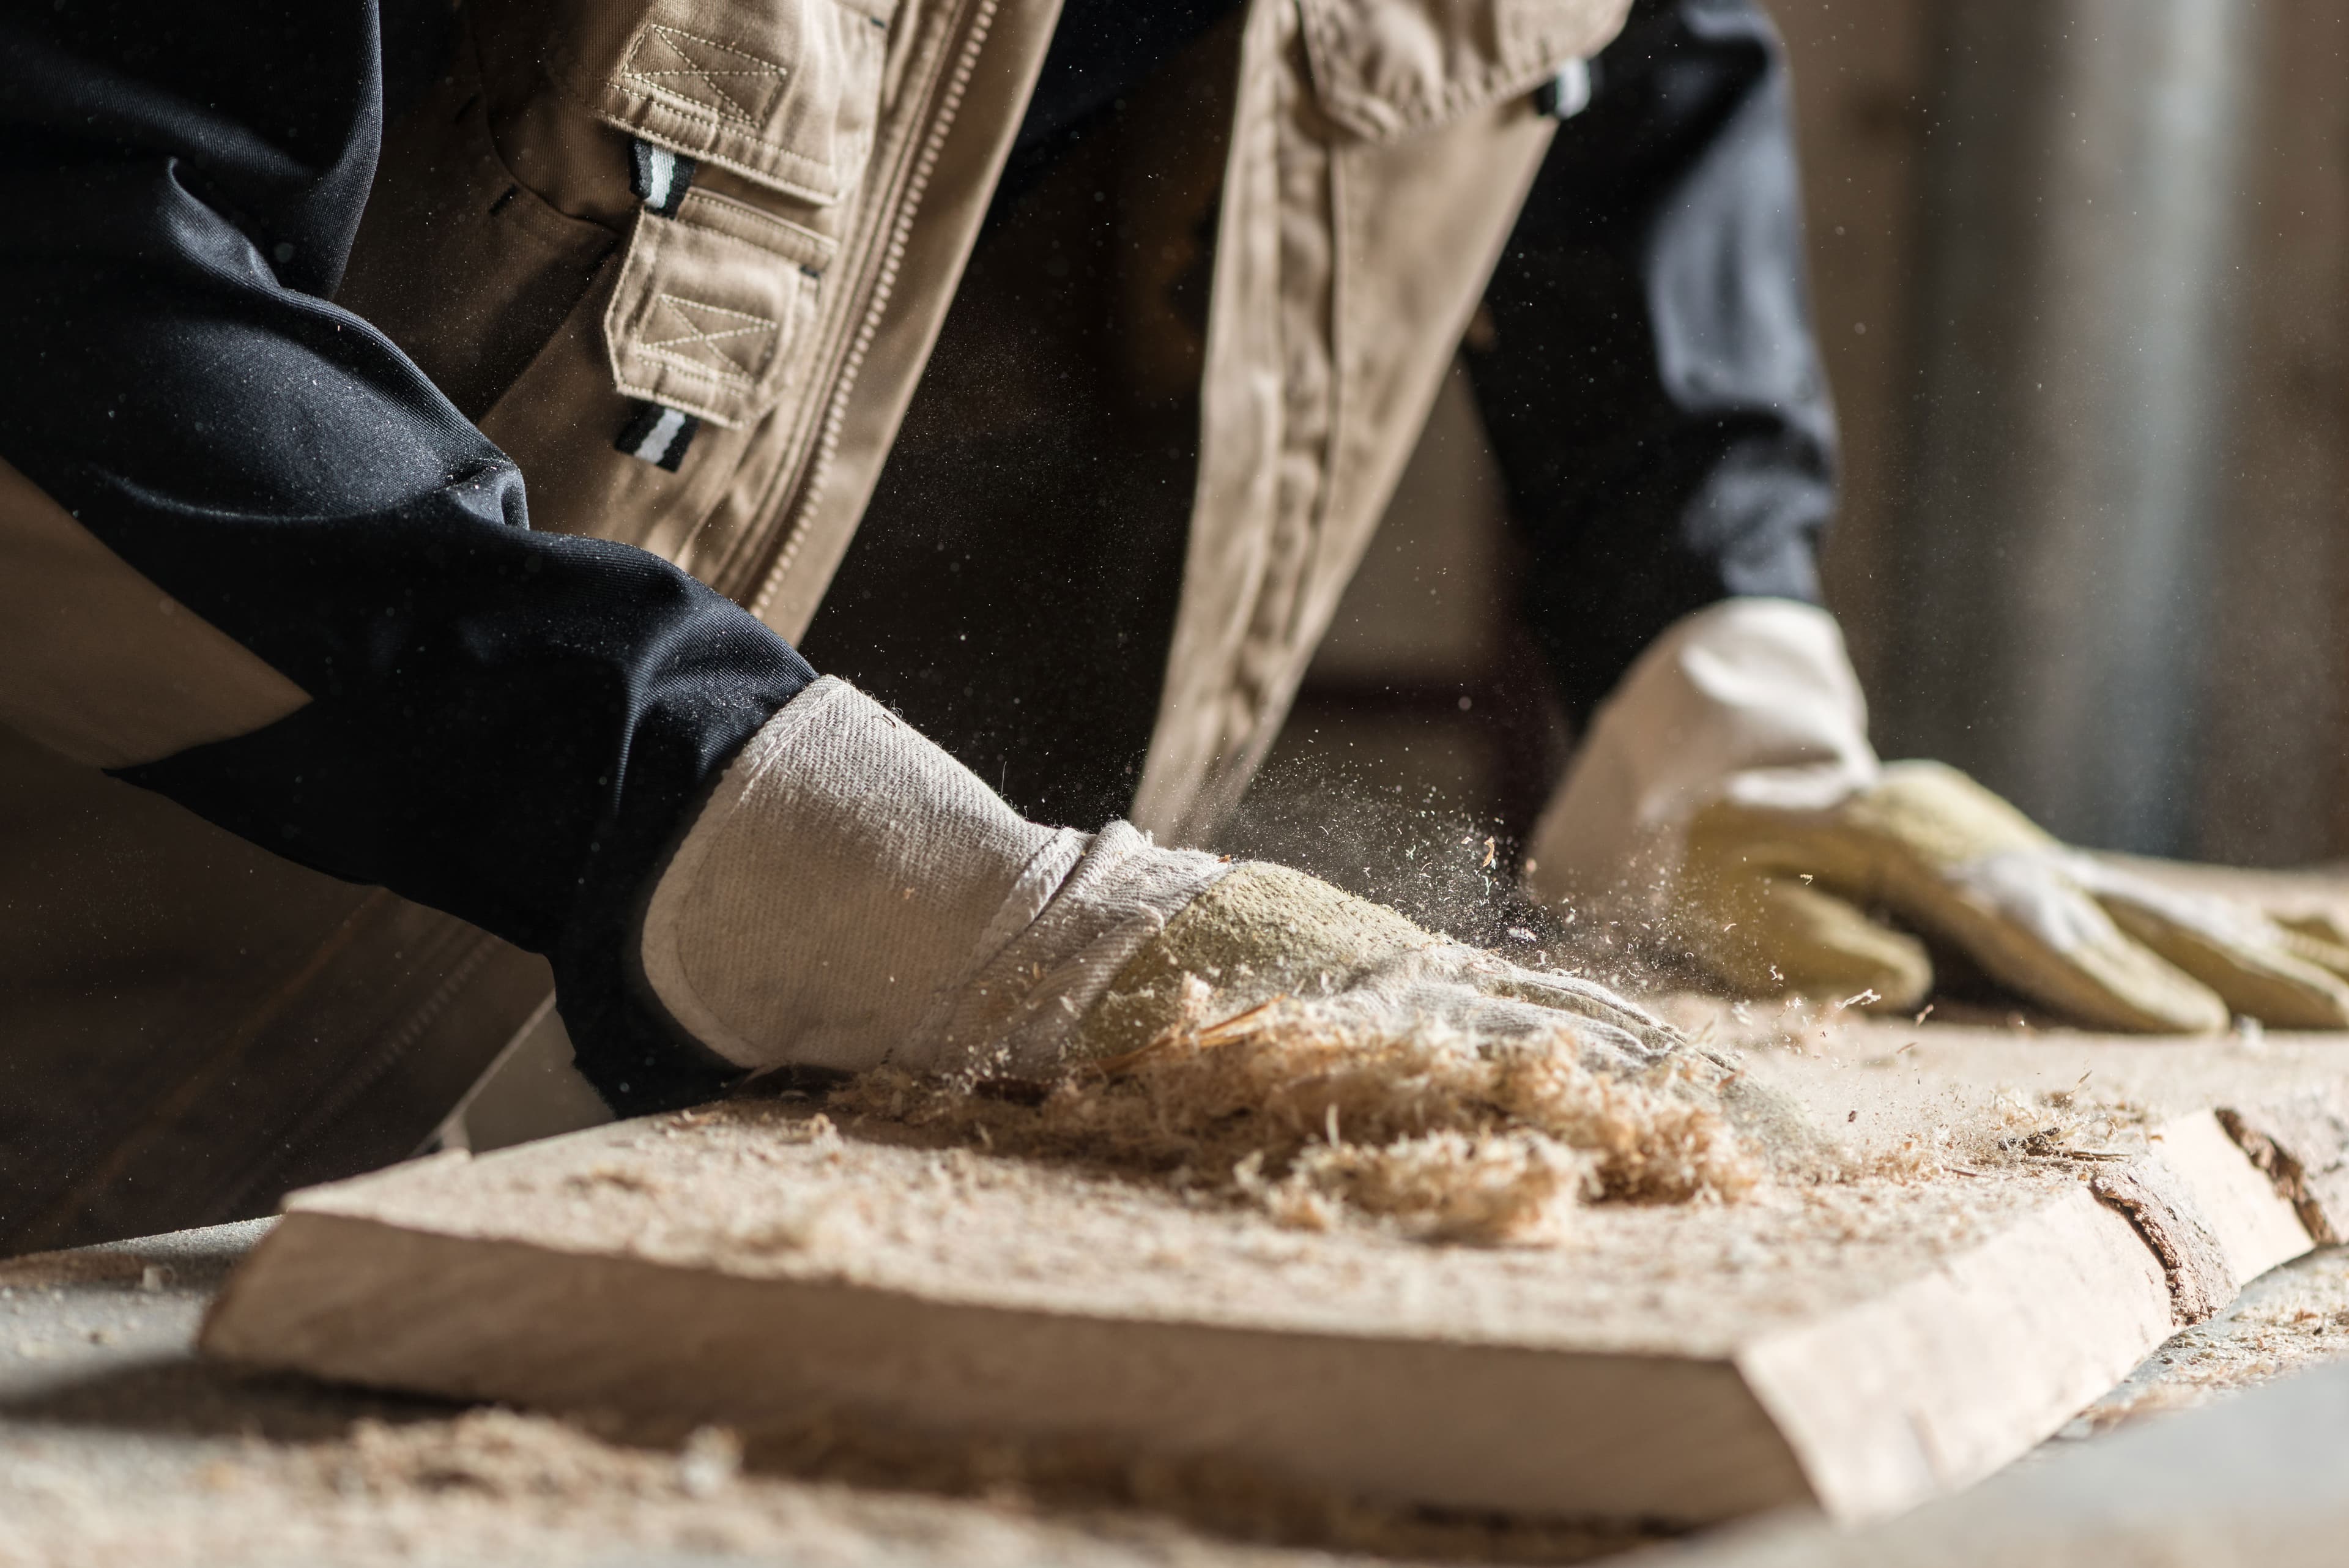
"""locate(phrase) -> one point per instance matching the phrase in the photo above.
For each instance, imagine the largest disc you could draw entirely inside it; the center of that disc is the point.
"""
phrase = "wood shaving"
(1441, 1137)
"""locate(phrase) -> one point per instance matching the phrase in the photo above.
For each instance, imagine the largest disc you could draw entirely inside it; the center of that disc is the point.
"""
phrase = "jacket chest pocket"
(1386, 69)
(710, 305)
(785, 93)
(714, 301)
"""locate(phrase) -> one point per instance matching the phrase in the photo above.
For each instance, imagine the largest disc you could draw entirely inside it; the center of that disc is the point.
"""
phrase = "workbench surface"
(116, 1444)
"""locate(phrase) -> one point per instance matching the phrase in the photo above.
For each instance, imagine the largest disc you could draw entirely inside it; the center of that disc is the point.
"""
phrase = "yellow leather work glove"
(1727, 801)
(1775, 900)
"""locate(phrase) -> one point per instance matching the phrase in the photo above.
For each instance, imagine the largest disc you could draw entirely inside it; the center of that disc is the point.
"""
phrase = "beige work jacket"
(1378, 152)
(1375, 157)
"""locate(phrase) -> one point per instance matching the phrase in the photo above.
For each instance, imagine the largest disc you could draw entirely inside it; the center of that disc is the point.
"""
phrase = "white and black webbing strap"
(1569, 93)
(660, 178)
(658, 434)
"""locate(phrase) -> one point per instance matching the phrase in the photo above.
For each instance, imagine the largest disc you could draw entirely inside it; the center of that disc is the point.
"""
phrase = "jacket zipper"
(877, 279)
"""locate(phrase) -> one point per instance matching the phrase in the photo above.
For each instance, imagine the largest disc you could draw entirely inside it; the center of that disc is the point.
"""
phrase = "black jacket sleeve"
(1650, 382)
(506, 725)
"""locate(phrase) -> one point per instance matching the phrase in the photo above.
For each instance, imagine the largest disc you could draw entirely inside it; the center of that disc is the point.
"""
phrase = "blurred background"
(2080, 270)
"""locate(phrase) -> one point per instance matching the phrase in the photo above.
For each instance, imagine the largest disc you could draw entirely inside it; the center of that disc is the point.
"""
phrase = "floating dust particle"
(1428, 1133)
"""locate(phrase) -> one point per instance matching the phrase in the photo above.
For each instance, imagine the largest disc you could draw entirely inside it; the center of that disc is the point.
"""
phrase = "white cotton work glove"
(1728, 801)
(852, 897)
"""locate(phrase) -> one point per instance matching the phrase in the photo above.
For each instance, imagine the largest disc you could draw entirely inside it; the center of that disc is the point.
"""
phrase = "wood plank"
(1943, 1380)
(2251, 1220)
(730, 1349)
(1859, 1345)
(1887, 1402)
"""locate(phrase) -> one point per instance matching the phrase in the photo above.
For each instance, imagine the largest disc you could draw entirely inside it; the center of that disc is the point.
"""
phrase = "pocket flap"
(784, 92)
(708, 306)
(1384, 68)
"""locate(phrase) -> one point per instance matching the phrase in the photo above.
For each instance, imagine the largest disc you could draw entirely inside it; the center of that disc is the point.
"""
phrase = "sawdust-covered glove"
(853, 897)
(1728, 802)
(1776, 898)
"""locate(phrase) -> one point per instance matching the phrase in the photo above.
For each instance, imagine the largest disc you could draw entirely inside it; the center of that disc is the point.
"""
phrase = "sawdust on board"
(2013, 1127)
(1975, 1129)
(1433, 1133)
(773, 1189)
(1447, 1139)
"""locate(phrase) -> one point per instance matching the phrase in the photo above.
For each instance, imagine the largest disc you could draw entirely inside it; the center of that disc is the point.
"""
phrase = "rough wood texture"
(1941, 1381)
(2302, 1142)
(1863, 1344)
(2210, 1228)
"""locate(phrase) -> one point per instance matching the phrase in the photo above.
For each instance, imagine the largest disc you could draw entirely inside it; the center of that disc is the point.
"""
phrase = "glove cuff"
(1751, 699)
(846, 873)
(852, 896)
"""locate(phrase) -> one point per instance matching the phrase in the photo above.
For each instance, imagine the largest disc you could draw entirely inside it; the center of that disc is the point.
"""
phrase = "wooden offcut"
(1862, 1345)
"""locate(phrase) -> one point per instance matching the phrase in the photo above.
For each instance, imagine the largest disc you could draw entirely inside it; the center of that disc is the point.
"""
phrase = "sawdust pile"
(1431, 1134)
(1227, 1496)
(757, 1478)
(504, 1454)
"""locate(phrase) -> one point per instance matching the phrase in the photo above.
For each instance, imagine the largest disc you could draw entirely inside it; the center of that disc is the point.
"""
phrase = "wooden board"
(1862, 1346)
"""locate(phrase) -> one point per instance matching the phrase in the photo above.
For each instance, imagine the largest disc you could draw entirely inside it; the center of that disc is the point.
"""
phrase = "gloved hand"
(852, 897)
(1728, 798)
